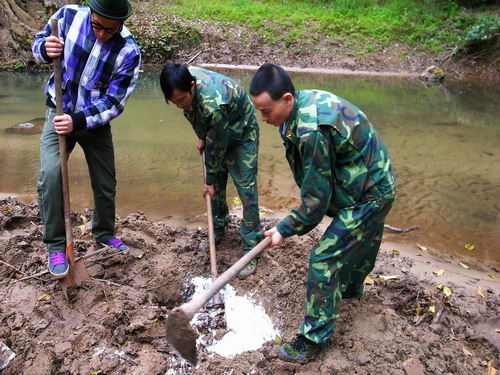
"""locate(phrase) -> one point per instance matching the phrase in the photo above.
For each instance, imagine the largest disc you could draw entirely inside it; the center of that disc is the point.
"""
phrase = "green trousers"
(97, 145)
(340, 262)
(241, 162)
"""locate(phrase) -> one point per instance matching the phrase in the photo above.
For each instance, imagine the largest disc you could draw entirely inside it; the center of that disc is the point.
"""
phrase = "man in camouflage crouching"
(343, 170)
(223, 118)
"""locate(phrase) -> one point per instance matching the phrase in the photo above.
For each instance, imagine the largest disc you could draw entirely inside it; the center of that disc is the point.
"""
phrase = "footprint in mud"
(18, 222)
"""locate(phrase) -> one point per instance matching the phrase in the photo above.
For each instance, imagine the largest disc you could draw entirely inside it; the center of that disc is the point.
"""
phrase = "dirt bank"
(115, 323)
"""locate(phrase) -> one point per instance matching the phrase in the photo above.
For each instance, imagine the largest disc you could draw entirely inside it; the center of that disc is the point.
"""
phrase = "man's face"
(104, 28)
(274, 112)
(183, 99)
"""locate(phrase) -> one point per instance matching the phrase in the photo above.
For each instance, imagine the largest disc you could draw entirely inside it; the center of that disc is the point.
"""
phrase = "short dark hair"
(273, 79)
(175, 76)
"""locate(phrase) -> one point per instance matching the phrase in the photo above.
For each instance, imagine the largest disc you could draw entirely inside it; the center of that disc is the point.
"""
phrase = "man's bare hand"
(54, 46)
(63, 124)
(277, 238)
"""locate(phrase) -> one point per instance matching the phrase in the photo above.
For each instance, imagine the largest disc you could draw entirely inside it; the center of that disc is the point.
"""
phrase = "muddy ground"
(115, 322)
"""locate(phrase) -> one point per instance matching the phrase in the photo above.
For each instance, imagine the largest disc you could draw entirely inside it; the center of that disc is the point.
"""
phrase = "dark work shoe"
(351, 293)
(300, 350)
(248, 270)
(58, 264)
(116, 243)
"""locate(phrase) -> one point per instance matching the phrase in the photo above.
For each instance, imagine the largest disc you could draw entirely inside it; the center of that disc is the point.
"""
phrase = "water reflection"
(443, 140)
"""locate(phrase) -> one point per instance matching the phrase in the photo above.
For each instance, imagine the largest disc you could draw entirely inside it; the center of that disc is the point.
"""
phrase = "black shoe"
(300, 350)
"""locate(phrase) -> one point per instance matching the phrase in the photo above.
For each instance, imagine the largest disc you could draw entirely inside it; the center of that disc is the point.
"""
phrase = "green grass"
(432, 25)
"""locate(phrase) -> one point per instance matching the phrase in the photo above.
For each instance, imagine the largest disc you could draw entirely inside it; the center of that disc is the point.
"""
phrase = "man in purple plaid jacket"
(100, 63)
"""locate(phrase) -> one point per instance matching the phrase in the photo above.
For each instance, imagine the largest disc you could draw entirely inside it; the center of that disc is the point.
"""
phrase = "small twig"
(11, 266)
(88, 255)
(194, 57)
(158, 286)
(105, 281)
(394, 229)
(34, 276)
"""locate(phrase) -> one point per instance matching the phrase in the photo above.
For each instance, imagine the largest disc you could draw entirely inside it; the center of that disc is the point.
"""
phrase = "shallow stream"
(443, 138)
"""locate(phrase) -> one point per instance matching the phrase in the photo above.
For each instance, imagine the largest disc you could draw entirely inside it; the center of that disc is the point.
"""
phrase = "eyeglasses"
(98, 26)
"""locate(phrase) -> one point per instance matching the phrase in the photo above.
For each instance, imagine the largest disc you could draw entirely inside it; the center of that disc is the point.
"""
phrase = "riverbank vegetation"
(373, 35)
(444, 27)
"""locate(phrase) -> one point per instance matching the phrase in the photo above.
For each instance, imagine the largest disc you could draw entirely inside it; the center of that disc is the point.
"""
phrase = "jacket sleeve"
(315, 188)
(216, 143)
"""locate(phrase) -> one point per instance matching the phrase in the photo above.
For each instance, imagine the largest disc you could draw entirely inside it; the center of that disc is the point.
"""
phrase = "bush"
(483, 33)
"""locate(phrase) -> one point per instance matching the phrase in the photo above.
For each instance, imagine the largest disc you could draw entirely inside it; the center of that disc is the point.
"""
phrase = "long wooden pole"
(62, 155)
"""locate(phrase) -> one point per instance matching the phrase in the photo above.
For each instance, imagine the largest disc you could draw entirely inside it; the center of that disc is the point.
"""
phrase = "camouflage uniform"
(343, 171)
(224, 117)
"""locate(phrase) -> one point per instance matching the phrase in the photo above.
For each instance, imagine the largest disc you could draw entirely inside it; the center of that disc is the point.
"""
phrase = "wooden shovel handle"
(62, 151)
(192, 307)
(211, 234)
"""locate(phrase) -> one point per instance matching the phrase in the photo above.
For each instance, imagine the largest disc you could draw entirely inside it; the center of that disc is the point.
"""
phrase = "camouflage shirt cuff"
(285, 228)
(210, 179)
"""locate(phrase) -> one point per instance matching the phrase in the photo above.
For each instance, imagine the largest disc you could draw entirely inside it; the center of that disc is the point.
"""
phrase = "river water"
(443, 138)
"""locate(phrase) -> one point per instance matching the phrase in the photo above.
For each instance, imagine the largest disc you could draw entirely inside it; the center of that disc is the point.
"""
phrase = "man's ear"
(289, 99)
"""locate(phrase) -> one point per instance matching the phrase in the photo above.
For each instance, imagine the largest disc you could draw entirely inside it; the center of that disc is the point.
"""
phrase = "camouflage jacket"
(337, 159)
(221, 114)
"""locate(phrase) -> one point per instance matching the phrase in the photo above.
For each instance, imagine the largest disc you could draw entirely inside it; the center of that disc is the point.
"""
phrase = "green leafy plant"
(483, 33)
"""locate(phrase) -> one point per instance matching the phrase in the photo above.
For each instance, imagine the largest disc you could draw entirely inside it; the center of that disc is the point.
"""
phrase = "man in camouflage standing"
(343, 170)
(223, 118)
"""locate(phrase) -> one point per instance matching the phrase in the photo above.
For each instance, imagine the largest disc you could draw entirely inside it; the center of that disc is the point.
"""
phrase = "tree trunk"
(20, 20)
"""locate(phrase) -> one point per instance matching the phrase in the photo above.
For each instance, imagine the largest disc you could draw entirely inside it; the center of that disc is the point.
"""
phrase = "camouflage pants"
(241, 163)
(340, 262)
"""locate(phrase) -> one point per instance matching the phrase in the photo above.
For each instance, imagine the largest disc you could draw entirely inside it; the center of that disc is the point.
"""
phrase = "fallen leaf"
(423, 248)
(418, 255)
(369, 281)
(439, 286)
(237, 200)
(392, 277)
(432, 309)
(490, 275)
(400, 260)
(199, 229)
(469, 247)
(84, 219)
(464, 265)
(480, 291)
(467, 353)
(396, 252)
(45, 297)
(446, 291)
(439, 272)
(490, 368)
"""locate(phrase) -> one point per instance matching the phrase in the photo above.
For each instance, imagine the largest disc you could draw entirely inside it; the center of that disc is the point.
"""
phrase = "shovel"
(179, 333)
(217, 300)
(77, 270)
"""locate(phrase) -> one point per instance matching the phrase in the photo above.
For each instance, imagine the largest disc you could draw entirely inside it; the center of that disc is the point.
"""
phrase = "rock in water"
(34, 126)
(433, 73)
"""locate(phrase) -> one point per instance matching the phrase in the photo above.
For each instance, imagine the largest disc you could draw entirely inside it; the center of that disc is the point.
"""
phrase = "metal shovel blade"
(77, 273)
(181, 336)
